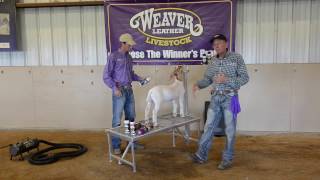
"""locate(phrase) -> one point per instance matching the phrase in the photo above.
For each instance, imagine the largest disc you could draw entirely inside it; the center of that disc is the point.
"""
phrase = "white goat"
(166, 93)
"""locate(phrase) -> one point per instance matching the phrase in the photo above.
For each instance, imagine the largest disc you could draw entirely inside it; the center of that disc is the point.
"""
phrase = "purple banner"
(170, 33)
(7, 25)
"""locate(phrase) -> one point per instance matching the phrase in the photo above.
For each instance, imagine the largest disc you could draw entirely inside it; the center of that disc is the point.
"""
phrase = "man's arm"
(135, 77)
(108, 72)
(242, 77)
(207, 79)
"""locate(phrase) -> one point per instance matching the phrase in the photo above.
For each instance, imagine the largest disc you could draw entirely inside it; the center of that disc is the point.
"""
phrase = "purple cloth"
(118, 70)
(235, 106)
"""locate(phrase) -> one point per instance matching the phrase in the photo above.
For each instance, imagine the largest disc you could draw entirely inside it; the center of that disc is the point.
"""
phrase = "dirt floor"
(282, 156)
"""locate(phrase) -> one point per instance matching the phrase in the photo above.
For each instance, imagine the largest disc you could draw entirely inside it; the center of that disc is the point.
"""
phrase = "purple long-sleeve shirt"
(118, 70)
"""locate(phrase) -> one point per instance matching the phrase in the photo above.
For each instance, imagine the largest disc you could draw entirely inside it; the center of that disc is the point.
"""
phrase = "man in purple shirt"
(118, 75)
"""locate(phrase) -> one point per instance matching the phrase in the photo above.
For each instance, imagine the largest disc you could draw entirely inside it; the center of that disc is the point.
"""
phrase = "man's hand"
(117, 93)
(220, 78)
(195, 88)
(211, 90)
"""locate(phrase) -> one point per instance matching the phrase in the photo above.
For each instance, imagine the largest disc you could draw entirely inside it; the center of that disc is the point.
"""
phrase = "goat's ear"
(171, 77)
(175, 68)
(178, 67)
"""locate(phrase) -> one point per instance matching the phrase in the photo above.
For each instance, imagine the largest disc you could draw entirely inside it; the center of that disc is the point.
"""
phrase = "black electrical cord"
(2, 147)
(42, 157)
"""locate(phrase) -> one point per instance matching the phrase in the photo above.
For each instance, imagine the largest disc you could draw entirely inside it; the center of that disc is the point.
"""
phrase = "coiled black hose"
(42, 157)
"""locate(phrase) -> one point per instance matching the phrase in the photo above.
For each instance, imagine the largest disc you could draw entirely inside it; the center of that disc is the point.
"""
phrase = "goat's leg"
(174, 108)
(147, 111)
(155, 113)
(181, 103)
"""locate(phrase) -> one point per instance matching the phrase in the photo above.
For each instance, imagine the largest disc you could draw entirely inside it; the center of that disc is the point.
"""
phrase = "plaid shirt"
(232, 65)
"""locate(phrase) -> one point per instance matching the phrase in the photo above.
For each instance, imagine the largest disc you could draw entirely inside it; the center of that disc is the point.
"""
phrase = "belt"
(223, 92)
(125, 87)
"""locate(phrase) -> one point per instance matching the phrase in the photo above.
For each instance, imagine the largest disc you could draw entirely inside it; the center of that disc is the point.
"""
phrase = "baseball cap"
(127, 38)
(218, 36)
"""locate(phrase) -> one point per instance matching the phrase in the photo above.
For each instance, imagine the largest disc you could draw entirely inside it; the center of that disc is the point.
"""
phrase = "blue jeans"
(124, 103)
(219, 104)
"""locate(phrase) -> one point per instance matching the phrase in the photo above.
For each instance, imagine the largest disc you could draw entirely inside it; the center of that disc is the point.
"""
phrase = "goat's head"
(177, 73)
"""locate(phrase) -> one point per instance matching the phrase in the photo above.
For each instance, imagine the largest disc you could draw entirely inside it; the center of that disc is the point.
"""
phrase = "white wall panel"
(239, 28)
(305, 98)
(265, 100)
(76, 97)
(89, 35)
(17, 58)
(301, 35)
(266, 32)
(101, 37)
(45, 37)
(59, 35)
(30, 42)
(74, 32)
(5, 59)
(250, 31)
(16, 94)
(314, 53)
(284, 31)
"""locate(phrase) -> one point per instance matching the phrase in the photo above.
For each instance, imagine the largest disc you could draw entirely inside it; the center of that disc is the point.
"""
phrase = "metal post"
(199, 129)
(173, 138)
(187, 133)
(109, 145)
(126, 150)
(133, 158)
(185, 83)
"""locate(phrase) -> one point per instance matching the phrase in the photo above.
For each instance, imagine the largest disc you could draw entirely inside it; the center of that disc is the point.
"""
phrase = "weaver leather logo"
(167, 26)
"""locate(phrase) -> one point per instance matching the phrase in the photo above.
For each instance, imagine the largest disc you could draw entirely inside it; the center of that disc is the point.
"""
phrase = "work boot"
(225, 165)
(196, 159)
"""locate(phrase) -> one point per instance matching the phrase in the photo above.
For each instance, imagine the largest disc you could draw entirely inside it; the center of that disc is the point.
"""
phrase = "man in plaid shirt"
(226, 73)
